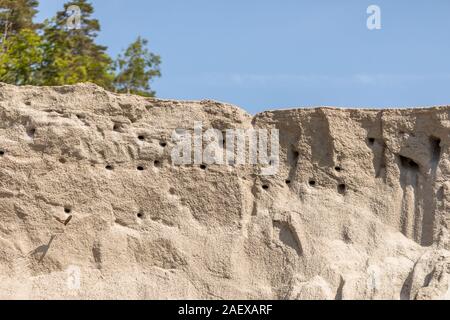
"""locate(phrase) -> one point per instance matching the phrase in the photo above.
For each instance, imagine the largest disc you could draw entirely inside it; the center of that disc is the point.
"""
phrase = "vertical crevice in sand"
(97, 254)
(420, 193)
(254, 192)
(340, 289)
(430, 194)
(292, 158)
(249, 204)
(409, 171)
(419, 208)
(375, 141)
(380, 171)
(405, 293)
(435, 144)
(322, 147)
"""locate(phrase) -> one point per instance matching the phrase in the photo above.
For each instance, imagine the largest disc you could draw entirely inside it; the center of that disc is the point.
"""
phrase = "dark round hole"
(265, 186)
(163, 144)
(342, 188)
(296, 154)
(371, 141)
(141, 138)
(67, 210)
(116, 127)
(2, 153)
(337, 168)
(312, 182)
(203, 166)
(109, 167)
(157, 163)
(31, 132)
(62, 160)
(140, 168)
(140, 215)
(288, 181)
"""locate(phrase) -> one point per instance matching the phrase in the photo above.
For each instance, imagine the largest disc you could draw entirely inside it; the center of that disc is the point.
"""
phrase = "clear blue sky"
(263, 55)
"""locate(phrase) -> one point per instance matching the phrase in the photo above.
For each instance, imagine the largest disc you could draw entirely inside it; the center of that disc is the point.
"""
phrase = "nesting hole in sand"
(371, 141)
(338, 168)
(265, 186)
(435, 149)
(312, 183)
(163, 144)
(67, 210)
(287, 181)
(109, 167)
(140, 168)
(409, 163)
(141, 137)
(224, 140)
(157, 163)
(62, 160)
(116, 127)
(203, 166)
(2, 153)
(342, 188)
(31, 132)
(140, 215)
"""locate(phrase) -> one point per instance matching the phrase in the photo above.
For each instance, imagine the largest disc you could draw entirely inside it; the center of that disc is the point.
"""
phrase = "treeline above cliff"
(63, 50)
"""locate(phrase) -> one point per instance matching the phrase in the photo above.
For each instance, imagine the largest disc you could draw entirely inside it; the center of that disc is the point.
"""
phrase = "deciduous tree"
(136, 67)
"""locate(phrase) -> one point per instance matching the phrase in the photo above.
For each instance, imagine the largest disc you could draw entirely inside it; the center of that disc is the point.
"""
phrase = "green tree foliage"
(16, 15)
(71, 55)
(19, 63)
(21, 47)
(136, 67)
(54, 54)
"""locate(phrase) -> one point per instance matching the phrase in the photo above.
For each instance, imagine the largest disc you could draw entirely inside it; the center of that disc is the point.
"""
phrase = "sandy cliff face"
(92, 205)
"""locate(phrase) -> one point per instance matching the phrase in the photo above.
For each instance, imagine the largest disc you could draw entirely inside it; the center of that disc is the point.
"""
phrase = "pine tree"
(16, 15)
(136, 67)
(71, 55)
